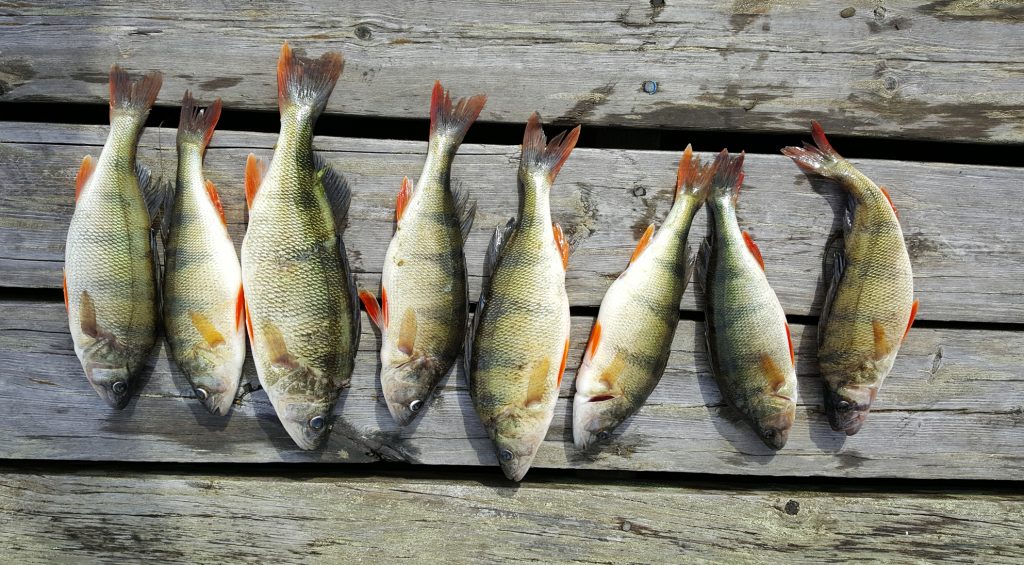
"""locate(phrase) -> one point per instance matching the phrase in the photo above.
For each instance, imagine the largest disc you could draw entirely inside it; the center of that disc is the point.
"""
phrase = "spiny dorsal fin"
(84, 172)
(645, 240)
(153, 191)
(498, 239)
(255, 168)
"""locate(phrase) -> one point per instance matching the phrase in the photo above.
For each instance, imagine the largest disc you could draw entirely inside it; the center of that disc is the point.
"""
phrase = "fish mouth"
(848, 408)
(516, 469)
(215, 397)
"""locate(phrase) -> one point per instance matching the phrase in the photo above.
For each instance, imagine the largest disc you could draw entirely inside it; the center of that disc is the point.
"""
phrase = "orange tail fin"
(540, 154)
(307, 82)
(196, 123)
(134, 98)
(449, 121)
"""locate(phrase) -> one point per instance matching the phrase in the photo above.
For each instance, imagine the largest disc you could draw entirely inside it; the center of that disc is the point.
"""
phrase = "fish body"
(302, 313)
(870, 304)
(521, 329)
(748, 338)
(110, 280)
(426, 305)
(203, 305)
(630, 343)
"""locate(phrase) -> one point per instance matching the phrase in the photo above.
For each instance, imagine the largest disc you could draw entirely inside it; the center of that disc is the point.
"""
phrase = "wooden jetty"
(928, 95)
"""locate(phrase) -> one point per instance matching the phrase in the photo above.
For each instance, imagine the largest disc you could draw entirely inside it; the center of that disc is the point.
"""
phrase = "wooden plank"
(939, 70)
(185, 518)
(952, 408)
(967, 259)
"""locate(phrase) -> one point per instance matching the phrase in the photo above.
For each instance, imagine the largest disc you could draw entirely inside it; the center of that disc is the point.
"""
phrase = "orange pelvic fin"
(789, 340)
(595, 340)
(561, 368)
(239, 308)
(67, 307)
(645, 240)
(913, 315)
(561, 244)
(248, 321)
(255, 168)
(84, 172)
(754, 249)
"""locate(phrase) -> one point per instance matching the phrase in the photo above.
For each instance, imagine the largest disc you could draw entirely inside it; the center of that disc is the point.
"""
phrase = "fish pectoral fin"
(913, 315)
(277, 349)
(85, 171)
(610, 375)
(773, 374)
(372, 308)
(882, 346)
(754, 249)
(645, 240)
(206, 329)
(402, 200)
(538, 383)
(407, 333)
(87, 322)
(255, 169)
(561, 244)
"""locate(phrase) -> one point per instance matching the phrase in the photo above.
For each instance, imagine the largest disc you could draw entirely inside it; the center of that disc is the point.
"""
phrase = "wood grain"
(177, 518)
(951, 409)
(968, 261)
(941, 70)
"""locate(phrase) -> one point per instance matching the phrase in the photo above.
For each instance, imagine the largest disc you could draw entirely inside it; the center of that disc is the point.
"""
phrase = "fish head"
(111, 381)
(772, 418)
(595, 417)
(214, 377)
(307, 422)
(847, 407)
(407, 388)
(516, 440)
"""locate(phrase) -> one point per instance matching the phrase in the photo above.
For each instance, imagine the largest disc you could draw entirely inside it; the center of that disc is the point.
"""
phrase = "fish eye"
(506, 455)
(316, 423)
(843, 405)
(201, 393)
(769, 434)
(119, 387)
(603, 435)
(415, 405)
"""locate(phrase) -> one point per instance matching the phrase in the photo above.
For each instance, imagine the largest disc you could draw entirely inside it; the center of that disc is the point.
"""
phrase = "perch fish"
(630, 342)
(423, 285)
(301, 305)
(748, 338)
(203, 305)
(870, 304)
(521, 330)
(110, 274)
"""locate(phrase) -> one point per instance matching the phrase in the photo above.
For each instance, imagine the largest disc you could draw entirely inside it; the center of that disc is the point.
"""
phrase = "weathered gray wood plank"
(946, 70)
(968, 259)
(189, 518)
(952, 408)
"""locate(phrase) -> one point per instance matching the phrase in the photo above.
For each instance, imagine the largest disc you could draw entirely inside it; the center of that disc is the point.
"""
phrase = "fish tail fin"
(693, 177)
(197, 123)
(453, 121)
(307, 82)
(134, 98)
(540, 155)
(819, 158)
(727, 176)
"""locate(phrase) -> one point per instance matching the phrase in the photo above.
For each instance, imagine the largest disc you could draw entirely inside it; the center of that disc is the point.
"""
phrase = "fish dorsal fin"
(561, 244)
(465, 210)
(885, 193)
(832, 266)
(498, 240)
(336, 190)
(593, 342)
(882, 347)
(85, 171)
(754, 249)
(789, 341)
(702, 263)
(255, 168)
(402, 200)
(645, 240)
(206, 329)
(538, 383)
(153, 191)
(211, 191)
(775, 377)
(64, 275)
(239, 308)
(87, 316)
(407, 332)
(913, 315)
(372, 308)
(277, 348)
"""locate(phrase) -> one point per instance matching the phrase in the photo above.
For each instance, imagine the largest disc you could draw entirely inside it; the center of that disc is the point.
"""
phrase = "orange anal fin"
(211, 191)
(84, 172)
(881, 343)
(403, 198)
(595, 340)
(754, 249)
(67, 306)
(885, 192)
(561, 244)
(774, 376)
(645, 240)
(561, 368)
(789, 340)
(913, 314)
(538, 384)
(206, 329)
(239, 308)
(254, 171)
(372, 308)
(407, 332)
